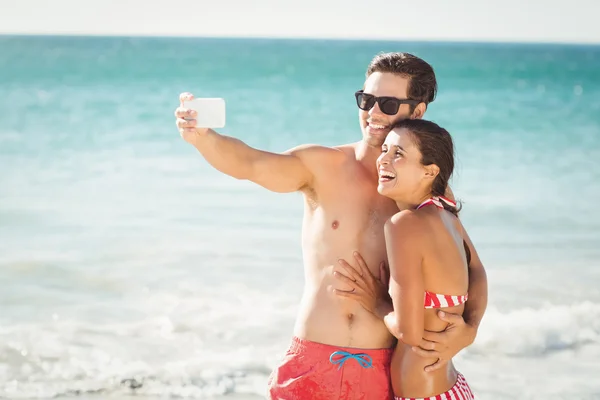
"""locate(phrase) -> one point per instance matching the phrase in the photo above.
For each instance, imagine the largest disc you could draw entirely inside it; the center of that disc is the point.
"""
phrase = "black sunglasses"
(388, 105)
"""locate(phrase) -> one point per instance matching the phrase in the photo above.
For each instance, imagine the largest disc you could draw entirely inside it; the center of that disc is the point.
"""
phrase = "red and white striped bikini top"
(434, 300)
(437, 201)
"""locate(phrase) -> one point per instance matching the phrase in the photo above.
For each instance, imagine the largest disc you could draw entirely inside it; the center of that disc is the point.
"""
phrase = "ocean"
(129, 267)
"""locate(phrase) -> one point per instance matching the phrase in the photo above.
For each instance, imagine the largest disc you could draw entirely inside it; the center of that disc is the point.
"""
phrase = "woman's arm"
(403, 237)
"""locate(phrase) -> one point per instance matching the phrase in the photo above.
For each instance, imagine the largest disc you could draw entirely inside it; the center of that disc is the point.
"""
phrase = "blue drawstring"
(363, 359)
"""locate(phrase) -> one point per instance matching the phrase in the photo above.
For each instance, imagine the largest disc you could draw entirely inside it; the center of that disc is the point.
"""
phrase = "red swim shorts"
(315, 371)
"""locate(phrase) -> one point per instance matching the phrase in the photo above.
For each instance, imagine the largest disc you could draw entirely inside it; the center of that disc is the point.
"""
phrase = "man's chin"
(374, 141)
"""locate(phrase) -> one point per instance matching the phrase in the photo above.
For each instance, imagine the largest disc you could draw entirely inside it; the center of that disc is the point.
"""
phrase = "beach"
(132, 269)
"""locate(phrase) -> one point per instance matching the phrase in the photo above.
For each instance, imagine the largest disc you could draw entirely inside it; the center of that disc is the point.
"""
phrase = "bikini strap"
(437, 201)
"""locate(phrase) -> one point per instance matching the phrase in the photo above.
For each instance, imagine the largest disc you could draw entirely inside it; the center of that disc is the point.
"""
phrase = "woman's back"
(445, 281)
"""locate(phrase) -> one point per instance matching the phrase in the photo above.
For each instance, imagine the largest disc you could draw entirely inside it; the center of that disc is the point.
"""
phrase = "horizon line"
(305, 38)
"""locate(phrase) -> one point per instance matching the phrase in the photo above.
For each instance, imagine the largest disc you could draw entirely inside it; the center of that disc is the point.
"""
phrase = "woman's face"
(401, 174)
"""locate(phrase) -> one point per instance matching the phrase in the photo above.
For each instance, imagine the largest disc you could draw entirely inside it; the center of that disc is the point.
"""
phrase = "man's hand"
(185, 119)
(445, 345)
(364, 287)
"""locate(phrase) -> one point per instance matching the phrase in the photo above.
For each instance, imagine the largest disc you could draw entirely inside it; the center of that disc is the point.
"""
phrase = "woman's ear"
(431, 171)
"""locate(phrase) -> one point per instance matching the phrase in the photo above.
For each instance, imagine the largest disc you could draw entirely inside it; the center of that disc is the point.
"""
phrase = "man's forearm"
(478, 297)
(279, 172)
(228, 155)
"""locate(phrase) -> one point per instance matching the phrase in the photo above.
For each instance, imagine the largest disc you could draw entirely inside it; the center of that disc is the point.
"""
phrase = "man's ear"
(419, 111)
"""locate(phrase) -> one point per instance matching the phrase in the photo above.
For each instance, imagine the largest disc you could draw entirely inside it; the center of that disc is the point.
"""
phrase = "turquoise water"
(124, 256)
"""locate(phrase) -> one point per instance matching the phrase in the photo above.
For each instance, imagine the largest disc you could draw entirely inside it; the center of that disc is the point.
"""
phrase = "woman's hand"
(365, 288)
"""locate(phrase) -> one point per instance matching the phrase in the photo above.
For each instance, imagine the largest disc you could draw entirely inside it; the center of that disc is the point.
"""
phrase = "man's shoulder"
(349, 148)
(312, 148)
(315, 153)
(348, 151)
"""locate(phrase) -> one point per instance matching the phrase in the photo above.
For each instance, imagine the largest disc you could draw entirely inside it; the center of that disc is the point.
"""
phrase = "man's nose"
(375, 110)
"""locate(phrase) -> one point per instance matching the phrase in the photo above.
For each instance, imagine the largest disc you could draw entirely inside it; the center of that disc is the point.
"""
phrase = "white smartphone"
(211, 111)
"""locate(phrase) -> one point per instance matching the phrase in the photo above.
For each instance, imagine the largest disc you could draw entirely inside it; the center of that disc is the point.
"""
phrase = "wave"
(533, 332)
(169, 385)
(156, 357)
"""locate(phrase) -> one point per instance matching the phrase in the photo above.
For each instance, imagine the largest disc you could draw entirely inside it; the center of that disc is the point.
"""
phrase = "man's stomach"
(325, 317)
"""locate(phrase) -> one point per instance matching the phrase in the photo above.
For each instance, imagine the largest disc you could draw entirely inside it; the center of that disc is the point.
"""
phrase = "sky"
(562, 21)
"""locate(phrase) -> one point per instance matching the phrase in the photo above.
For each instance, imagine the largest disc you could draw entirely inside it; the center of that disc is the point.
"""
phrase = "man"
(339, 350)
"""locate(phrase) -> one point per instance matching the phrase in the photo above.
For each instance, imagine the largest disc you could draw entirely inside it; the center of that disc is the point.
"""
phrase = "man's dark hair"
(422, 84)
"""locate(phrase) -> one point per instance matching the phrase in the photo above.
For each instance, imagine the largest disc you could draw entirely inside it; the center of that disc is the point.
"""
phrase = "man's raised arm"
(286, 172)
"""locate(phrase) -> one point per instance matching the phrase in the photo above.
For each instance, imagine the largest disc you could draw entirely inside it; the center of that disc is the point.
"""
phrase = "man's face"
(374, 123)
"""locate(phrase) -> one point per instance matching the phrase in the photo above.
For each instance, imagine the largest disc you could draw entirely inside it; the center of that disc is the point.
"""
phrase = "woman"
(428, 255)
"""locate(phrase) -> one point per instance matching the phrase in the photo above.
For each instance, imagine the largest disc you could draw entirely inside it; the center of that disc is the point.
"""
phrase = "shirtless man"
(338, 349)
